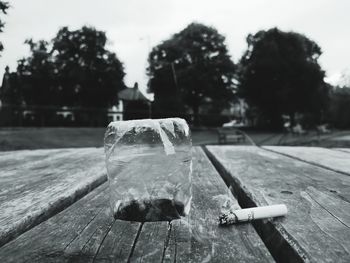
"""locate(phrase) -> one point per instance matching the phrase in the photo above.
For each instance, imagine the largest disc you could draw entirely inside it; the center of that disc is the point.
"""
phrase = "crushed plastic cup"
(149, 167)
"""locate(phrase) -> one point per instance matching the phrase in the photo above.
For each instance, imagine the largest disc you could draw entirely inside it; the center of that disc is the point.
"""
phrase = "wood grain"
(326, 158)
(34, 185)
(347, 150)
(316, 228)
(87, 232)
(151, 243)
(199, 238)
(75, 235)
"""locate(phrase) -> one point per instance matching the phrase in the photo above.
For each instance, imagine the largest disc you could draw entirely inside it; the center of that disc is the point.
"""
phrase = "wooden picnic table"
(229, 134)
(54, 208)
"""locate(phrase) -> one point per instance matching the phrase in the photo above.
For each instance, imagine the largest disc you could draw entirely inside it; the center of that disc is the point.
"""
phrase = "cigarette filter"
(249, 214)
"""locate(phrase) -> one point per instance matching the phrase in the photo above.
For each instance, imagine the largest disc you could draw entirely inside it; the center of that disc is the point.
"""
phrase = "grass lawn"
(46, 138)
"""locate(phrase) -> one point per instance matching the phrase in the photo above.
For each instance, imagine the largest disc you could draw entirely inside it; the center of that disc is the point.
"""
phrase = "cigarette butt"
(249, 214)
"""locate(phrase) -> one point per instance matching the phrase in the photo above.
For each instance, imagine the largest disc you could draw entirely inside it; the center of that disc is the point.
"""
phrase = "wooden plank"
(75, 235)
(34, 185)
(86, 232)
(317, 225)
(198, 238)
(339, 208)
(151, 243)
(16, 158)
(326, 158)
(347, 150)
(119, 242)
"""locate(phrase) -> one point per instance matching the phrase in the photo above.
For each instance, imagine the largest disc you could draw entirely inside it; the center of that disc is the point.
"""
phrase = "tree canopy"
(189, 69)
(280, 74)
(36, 75)
(339, 110)
(74, 69)
(87, 73)
(3, 11)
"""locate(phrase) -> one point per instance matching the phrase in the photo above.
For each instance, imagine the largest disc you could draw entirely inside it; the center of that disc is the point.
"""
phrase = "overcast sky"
(134, 26)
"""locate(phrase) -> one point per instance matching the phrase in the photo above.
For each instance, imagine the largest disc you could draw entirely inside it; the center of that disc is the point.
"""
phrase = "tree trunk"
(292, 119)
(195, 115)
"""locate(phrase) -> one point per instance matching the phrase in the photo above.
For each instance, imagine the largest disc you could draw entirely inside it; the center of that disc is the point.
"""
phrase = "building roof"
(132, 94)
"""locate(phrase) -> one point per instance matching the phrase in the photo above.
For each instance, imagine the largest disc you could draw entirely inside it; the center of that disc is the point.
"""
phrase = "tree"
(3, 10)
(189, 69)
(87, 73)
(75, 69)
(10, 92)
(37, 75)
(34, 81)
(339, 110)
(279, 73)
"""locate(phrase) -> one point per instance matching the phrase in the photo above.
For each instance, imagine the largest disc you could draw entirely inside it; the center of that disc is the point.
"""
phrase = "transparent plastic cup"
(149, 167)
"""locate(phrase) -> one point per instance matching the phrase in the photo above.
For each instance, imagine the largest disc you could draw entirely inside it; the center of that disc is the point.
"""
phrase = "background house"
(136, 105)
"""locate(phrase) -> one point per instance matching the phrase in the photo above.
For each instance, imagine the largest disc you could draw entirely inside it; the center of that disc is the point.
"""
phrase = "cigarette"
(249, 214)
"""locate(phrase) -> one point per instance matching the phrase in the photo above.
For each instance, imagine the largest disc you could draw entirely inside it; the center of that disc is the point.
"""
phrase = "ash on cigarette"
(228, 218)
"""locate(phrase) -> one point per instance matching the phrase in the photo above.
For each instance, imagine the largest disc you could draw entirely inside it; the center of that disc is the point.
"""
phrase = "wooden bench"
(87, 232)
(54, 208)
(322, 129)
(226, 135)
(35, 185)
(313, 185)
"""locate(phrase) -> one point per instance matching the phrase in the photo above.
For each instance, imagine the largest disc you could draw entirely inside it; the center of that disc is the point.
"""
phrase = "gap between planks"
(54, 209)
(135, 242)
(305, 161)
(166, 242)
(343, 150)
(266, 229)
